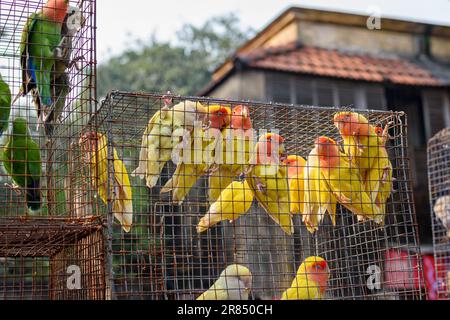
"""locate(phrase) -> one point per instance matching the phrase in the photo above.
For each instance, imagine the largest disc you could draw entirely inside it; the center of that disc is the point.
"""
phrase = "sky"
(121, 22)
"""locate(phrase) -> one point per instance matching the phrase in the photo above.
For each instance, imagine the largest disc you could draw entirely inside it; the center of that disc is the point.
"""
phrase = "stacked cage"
(175, 232)
(51, 232)
(439, 184)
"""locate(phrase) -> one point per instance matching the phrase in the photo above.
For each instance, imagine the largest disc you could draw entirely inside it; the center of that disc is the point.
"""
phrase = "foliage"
(183, 67)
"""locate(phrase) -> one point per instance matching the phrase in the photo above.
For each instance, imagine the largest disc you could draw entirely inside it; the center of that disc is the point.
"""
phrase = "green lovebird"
(40, 50)
(5, 105)
(22, 160)
(60, 83)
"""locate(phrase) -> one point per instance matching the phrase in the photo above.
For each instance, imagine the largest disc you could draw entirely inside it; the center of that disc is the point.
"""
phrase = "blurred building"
(324, 58)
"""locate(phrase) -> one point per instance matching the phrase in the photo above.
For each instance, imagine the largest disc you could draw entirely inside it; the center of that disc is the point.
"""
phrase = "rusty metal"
(37, 248)
(163, 256)
(439, 186)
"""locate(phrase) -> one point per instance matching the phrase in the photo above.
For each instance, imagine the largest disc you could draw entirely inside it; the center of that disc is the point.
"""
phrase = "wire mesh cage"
(47, 94)
(439, 184)
(182, 221)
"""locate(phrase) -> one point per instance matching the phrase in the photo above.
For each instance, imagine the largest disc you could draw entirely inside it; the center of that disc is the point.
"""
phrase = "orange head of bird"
(55, 10)
(219, 116)
(270, 149)
(327, 150)
(316, 269)
(351, 124)
(295, 165)
(240, 119)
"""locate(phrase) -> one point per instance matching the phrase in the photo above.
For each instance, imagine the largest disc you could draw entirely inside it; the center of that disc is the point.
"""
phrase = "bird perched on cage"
(5, 105)
(366, 149)
(22, 161)
(442, 211)
(311, 281)
(295, 168)
(234, 201)
(267, 178)
(237, 143)
(162, 135)
(60, 84)
(318, 200)
(201, 155)
(94, 146)
(344, 181)
(234, 283)
(39, 51)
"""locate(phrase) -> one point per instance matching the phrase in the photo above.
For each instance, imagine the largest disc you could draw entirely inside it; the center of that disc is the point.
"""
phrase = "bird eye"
(319, 267)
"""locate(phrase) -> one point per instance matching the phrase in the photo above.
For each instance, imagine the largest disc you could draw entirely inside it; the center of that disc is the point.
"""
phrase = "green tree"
(183, 67)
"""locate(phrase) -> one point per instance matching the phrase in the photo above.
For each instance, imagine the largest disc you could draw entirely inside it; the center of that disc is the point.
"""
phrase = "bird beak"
(245, 113)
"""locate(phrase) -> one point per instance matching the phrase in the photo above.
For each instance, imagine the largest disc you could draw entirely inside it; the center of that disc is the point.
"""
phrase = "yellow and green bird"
(234, 283)
(311, 281)
(234, 201)
(202, 152)
(366, 149)
(267, 178)
(236, 148)
(344, 181)
(95, 153)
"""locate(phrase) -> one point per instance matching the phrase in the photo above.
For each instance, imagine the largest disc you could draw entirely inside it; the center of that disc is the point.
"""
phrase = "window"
(280, 88)
(286, 88)
(436, 111)
(304, 92)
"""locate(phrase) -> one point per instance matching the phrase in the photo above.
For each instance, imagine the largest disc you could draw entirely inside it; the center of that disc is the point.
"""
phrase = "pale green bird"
(22, 161)
(234, 283)
(40, 50)
(164, 130)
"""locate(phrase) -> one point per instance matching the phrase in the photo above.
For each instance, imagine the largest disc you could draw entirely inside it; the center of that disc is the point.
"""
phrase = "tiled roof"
(333, 63)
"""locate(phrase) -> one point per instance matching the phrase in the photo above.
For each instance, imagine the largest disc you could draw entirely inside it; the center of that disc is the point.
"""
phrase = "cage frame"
(112, 100)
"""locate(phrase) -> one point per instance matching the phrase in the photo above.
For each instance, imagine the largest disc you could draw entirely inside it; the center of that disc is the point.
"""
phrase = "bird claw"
(14, 188)
(212, 169)
(75, 61)
(58, 53)
(261, 187)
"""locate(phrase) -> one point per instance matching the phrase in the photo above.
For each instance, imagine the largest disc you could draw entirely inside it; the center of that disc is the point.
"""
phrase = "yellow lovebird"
(268, 180)
(236, 149)
(311, 281)
(234, 201)
(234, 283)
(344, 181)
(366, 149)
(164, 131)
(95, 152)
(190, 168)
(318, 199)
(296, 166)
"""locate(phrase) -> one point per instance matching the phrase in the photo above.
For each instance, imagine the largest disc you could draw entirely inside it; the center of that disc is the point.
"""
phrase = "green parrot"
(5, 105)
(22, 160)
(60, 83)
(40, 50)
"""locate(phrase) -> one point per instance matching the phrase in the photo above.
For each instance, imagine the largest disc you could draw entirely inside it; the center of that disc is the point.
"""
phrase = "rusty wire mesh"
(164, 257)
(439, 184)
(38, 245)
